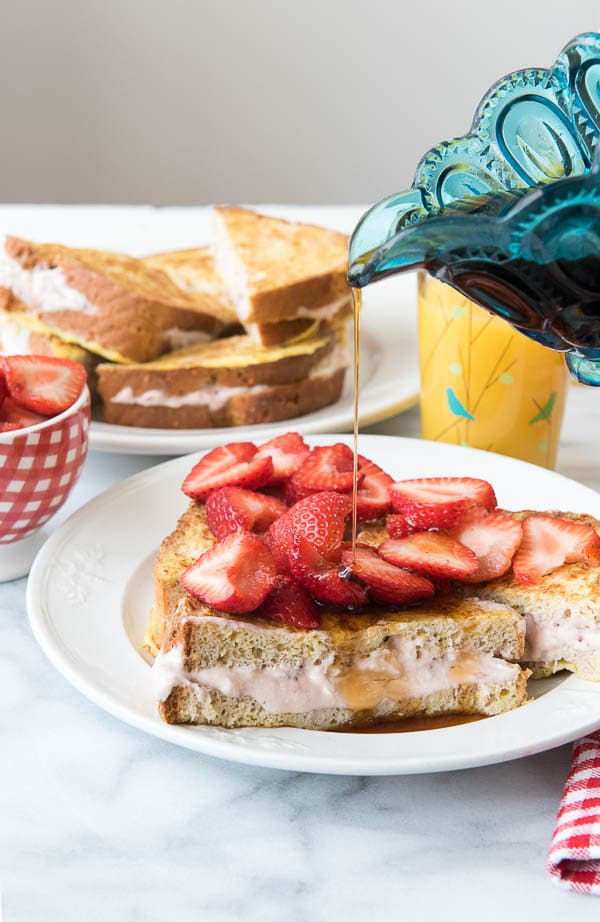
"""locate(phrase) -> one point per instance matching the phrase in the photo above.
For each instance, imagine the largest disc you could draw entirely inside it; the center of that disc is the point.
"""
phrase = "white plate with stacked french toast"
(218, 601)
(243, 329)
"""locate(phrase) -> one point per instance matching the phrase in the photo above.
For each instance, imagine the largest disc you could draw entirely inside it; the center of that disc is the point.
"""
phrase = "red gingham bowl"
(38, 467)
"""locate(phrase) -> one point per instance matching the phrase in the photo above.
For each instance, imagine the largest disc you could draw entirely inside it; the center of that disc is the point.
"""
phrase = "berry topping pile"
(281, 513)
(35, 387)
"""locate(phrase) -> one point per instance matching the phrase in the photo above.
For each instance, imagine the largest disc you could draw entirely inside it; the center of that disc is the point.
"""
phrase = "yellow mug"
(482, 383)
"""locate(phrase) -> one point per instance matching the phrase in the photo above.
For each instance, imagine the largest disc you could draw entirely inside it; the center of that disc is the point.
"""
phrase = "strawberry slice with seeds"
(289, 603)
(321, 577)
(42, 383)
(493, 537)
(386, 583)
(431, 553)
(231, 508)
(549, 542)
(320, 518)
(287, 452)
(373, 496)
(235, 575)
(328, 468)
(234, 464)
(13, 416)
(398, 525)
(437, 502)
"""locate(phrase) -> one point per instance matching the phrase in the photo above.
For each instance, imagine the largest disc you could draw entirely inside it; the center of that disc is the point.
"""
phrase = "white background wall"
(192, 101)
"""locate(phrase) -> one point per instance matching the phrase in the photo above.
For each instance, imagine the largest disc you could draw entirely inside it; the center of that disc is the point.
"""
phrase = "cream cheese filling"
(402, 669)
(42, 289)
(182, 339)
(546, 641)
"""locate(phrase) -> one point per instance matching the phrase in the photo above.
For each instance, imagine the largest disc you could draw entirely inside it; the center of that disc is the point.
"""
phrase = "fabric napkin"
(574, 857)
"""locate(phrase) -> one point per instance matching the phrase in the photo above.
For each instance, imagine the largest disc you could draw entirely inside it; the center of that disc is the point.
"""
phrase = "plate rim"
(218, 742)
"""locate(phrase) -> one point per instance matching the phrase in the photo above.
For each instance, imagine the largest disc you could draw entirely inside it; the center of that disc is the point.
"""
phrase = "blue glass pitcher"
(509, 214)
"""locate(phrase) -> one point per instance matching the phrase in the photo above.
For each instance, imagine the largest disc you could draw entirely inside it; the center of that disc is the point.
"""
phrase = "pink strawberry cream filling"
(402, 669)
(559, 639)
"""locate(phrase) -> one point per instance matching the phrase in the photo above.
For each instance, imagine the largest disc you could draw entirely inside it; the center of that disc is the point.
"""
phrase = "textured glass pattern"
(510, 213)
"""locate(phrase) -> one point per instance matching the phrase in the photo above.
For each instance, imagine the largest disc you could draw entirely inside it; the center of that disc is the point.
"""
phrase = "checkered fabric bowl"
(38, 467)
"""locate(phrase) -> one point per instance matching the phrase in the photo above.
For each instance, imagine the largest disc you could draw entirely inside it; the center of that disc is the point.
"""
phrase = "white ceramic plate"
(90, 592)
(389, 371)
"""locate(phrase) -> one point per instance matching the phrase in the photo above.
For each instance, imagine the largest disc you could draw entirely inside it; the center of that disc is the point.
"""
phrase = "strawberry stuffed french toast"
(266, 615)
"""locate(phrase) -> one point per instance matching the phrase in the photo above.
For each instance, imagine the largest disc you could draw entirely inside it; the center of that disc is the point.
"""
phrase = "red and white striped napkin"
(574, 857)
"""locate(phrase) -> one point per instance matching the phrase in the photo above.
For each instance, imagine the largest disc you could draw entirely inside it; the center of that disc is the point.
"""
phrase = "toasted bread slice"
(109, 303)
(447, 656)
(195, 270)
(562, 613)
(22, 334)
(275, 270)
(230, 382)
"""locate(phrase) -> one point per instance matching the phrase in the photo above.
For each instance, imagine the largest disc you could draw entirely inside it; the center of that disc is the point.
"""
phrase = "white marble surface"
(100, 822)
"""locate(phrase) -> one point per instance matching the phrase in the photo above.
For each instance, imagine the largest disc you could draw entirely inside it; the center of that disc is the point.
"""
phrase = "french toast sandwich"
(109, 303)
(265, 616)
(276, 270)
(195, 270)
(287, 263)
(229, 382)
(450, 656)
(439, 655)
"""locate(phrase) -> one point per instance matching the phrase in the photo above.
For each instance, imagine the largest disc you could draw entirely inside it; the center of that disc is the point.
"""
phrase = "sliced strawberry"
(287, 452)
(493, 537)
(16, 417)
(431, 553)
(320, 518)
(373, 496)
(549, 542)
(289, 603)
(321, 577)
(43, 383)
(9, 427)
(329, 467)
(235, 575)
(398, 526)
(231, 508)
(293, 492)
(437, 502)
(234, 464)
(3, 387)
(386, 583)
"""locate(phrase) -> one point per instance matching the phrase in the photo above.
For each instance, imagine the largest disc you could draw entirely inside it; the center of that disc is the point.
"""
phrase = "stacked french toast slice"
(164, 338)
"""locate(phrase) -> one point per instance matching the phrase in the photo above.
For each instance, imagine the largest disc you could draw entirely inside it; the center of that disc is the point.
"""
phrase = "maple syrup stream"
(408, 724)
(356, 304)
